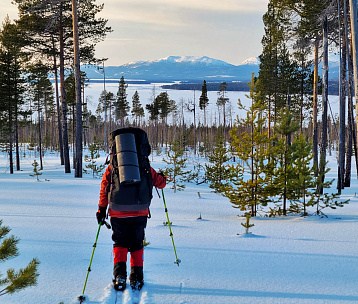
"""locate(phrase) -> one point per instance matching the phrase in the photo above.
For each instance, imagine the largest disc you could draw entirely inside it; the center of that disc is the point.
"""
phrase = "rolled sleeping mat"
(127, 158)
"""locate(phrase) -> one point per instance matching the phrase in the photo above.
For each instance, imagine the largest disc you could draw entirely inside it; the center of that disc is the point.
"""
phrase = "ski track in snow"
(111, 296)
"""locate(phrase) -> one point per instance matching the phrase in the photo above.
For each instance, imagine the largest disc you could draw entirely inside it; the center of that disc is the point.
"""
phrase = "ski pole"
(82, 297)
(177, 261)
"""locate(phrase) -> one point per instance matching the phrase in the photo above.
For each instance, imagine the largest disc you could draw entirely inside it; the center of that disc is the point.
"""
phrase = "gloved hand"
(161, 173)
(101, 215)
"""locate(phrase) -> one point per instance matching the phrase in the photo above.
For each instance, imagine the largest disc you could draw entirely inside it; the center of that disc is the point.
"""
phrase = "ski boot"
(120, 276)
(136, 278)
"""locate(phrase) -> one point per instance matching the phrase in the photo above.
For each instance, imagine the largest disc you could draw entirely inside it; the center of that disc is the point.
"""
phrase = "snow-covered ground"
(285, 260)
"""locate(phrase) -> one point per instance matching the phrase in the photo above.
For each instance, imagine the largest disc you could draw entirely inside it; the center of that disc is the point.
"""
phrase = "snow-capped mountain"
(251, 60)
(179, 68)
(191, 69)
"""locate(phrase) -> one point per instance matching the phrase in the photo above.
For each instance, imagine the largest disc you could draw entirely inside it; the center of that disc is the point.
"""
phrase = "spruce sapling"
(175, 171)
(91, 161)
(36, 171)
(247, 224)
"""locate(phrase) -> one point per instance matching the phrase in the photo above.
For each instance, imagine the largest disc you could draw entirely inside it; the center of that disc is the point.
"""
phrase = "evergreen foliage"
(204, 100)
(166, 106)
(198, 174)
(304, 180)
(153, 110)
(36, 170)
(218, 172)
(175, 171)
(122, 105)
(251, 144)
(285, 175)
(12, 79)
(91, 161)
(15, 280)
(41, 90)
(137, 109)
(247, 224)
(221, 102)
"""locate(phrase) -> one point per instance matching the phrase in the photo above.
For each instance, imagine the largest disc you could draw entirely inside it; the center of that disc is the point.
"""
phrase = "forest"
(274, 159)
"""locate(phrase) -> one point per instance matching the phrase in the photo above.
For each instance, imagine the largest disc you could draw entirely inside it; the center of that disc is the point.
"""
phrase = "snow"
(145, 91)
(285, 260)
(251, 60)
(192, 59)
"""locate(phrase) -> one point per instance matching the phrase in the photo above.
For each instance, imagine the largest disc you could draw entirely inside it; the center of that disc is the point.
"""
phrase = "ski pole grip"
(107, 225)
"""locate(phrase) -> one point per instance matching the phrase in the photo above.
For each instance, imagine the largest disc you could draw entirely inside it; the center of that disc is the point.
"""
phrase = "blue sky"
(230, 30)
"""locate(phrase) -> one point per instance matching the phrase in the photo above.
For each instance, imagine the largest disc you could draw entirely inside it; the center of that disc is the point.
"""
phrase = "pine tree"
(36, 170)
(15, 280)
(137, 109)
(122, 106)
(303, 183)
(91, 161)
(42, 91)
(176, 167)
(218, 171)
(166, 106)
(250, 143)
(249, 189)
(154, 112)
(285, 174)
(204, 100)
(12, 71)
(222, 100)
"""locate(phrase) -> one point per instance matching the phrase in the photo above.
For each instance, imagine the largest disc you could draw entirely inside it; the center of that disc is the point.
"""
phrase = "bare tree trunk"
(350, 93)
(315, 108)
(352, 139)
(17, 150)
(59, 123)
(16, 130)
(354, 35)
(322, 165)
(194, 110)
(66, 152)
(39, 130)
(76, 48)
(342, 103)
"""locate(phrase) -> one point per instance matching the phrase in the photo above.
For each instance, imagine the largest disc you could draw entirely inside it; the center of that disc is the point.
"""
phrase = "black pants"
(129, 232)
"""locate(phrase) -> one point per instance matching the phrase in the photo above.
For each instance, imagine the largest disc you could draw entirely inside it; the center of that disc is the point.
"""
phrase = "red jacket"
(158, 181)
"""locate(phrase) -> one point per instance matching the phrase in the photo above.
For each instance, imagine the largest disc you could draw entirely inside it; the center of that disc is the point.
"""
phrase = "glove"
(101, 215)
(161, 173)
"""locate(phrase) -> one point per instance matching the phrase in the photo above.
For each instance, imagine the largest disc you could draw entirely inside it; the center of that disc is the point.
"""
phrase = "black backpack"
(131, 183)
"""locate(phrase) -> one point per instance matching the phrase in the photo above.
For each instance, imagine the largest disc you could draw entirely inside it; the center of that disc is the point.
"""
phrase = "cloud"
(172, 13)
(242, 6)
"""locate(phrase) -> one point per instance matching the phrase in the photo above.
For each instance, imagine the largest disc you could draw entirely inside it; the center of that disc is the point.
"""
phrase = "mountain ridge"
(187, 69)
(177, 68)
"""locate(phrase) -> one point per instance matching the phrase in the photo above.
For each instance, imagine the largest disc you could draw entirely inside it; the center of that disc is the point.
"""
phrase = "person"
(128, 233)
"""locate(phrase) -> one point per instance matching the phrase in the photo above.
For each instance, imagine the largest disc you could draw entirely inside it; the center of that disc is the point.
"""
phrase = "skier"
(128, 233)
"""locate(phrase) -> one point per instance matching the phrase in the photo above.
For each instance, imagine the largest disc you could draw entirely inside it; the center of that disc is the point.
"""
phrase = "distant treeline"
(333, 86)
(211, 86)
(233, 86)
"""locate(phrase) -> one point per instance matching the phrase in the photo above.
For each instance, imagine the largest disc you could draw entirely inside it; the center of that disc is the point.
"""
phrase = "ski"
(116, 297)
(122, 296)
(136, 293)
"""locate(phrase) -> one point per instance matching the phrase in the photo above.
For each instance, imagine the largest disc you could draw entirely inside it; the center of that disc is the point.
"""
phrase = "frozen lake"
(148, 91)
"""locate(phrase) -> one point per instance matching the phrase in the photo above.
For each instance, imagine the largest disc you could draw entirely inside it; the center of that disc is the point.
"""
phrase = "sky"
(229, 30)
